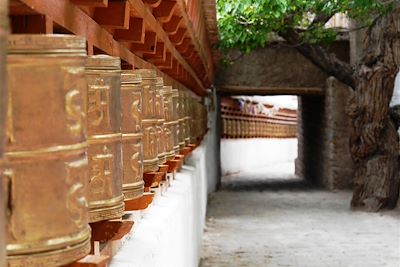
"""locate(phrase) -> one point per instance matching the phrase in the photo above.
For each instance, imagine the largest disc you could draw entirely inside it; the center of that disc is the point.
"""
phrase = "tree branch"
(327, 62)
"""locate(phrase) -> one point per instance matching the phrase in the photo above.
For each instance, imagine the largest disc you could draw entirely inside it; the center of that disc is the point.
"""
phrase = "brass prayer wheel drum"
(45, 154)
(193, 121)
(3, 110)
(131, 128)
(106, 200)
(175, 118)
(169, 124)
(187, 117)
(149, 119)
(182, 120)
(161, 138)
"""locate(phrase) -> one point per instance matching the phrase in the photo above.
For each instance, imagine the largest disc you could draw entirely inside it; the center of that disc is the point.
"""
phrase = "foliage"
(248, 24)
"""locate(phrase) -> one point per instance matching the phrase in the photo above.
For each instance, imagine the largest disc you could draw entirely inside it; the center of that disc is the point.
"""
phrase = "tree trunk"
(374, 141)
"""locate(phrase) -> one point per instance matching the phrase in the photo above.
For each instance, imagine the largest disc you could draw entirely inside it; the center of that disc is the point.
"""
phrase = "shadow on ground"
(266, 183)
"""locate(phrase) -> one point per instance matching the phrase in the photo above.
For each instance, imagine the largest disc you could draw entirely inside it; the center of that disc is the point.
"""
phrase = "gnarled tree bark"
(374, 141)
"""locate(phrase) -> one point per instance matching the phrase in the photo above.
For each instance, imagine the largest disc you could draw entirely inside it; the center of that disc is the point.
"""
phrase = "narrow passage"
(283, 221)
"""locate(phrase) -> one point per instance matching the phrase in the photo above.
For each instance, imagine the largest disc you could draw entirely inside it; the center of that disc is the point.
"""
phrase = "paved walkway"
(285, 222)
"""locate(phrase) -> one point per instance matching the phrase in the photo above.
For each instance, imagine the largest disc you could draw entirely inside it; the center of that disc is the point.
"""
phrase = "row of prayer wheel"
(79, 134)
(248, 127)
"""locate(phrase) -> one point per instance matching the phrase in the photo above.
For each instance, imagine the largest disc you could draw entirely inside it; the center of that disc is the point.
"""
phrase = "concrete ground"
(278, 220)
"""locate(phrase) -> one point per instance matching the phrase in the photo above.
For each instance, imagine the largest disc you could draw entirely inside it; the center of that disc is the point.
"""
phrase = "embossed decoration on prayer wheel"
(161, 138)
(176, 125)
(45, 154)
(149, 119)
(193, 121)
(181, 120)
(169, 123)
(187, 117)
(3, 110)
(131, 128)
(106, 201)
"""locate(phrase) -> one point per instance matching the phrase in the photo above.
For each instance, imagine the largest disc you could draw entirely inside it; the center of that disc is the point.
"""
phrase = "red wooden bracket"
(139, 203)
(135, 33)
(116, 15)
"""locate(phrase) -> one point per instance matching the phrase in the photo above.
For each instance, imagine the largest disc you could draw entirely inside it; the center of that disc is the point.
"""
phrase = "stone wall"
(323, 145)
(310, 138)
(271, 67)
(338, 166)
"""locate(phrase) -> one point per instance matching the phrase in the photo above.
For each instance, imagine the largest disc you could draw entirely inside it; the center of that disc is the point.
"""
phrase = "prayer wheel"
(106, 200)
(131, 128)
(149, 119)
(187, 118)
(3, 110)
(175, 117)
(169, 124)
(181, 119)
(45, 153)
(161, 138)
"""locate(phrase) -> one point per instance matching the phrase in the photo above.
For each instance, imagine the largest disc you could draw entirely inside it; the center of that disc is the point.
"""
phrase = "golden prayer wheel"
(181, 120)
(169, 124)
(3, 110)
(161, 138)
(176, 125)
(106, 200)
(45, 155)
(149, 119)
(193, 120)
(131, 128)
(187, 118)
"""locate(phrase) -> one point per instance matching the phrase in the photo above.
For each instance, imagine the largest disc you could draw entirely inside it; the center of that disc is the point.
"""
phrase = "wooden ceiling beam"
(135, 32)
(143, 11)
(92, 3)
(115, 16)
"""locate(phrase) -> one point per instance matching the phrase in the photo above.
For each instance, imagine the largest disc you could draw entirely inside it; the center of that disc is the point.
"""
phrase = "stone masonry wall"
(310, 137)
(338, 166)
(323, 138)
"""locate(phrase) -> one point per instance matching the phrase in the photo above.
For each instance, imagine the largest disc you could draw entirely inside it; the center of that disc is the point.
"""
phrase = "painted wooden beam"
(92, 3)
(135, 32)
(115, 16)
(76, 21)
(144, 12)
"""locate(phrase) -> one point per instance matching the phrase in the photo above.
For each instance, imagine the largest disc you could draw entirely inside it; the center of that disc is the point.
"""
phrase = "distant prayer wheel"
(106, 200)
(177, 134)
(149, 119)
(181, 119)
(187, 118)
(131, 128)
(45, 154)
(3, 110)
(169, 124)
(161, 138)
